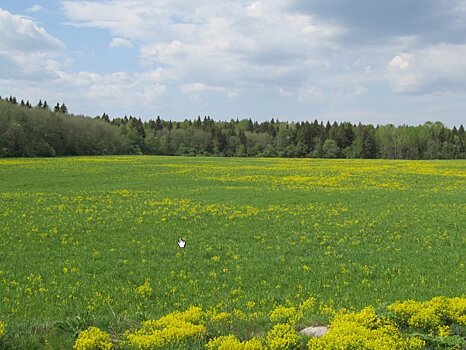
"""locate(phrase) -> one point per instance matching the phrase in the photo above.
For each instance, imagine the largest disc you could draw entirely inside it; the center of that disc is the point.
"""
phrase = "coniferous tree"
(63, 108)
(368, 143)
(158, 124)
(249, 126)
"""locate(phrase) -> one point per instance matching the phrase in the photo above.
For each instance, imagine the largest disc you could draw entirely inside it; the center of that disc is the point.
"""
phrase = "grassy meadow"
(93, 240)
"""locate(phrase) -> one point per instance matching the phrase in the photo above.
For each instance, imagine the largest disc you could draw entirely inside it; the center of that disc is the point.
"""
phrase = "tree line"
(29, 131)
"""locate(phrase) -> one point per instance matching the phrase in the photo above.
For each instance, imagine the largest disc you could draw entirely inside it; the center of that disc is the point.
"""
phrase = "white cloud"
(103, 90)
(22, 34)
(460, 7)
(198, 88)
(254, 10)
(132, 20)
(403, 73)
(206, 54)
(440, 67)
(35, 8)
(33, 66)
(357, 91)
(157, 75)
(401, 61)
(235, 45)
(120, 42)
(311, 93)
(89, 93)
(36, 59)
(29, 52)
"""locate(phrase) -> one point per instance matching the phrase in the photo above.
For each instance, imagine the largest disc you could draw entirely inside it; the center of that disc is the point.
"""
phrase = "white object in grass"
(181, 243)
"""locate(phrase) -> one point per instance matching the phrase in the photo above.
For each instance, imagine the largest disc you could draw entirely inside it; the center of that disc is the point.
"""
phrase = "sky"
(378, 62)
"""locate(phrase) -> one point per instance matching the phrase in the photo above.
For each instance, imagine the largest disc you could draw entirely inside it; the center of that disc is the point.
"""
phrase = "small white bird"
(181, 243)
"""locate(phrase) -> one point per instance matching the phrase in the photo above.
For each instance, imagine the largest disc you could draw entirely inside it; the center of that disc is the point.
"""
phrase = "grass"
(93, 240)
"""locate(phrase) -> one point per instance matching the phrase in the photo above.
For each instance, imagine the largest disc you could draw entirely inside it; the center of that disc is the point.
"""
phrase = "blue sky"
(378, 62)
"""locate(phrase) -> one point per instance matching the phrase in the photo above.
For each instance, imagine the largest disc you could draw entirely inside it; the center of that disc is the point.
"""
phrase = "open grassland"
(93, 241)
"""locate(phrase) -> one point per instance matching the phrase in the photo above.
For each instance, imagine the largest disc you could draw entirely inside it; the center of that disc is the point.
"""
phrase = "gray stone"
(315, 331)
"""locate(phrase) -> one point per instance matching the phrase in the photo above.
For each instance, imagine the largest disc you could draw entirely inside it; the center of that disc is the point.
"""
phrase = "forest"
(45, 131)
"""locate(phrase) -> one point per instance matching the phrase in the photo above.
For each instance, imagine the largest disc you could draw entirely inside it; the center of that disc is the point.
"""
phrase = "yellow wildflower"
(282, 336)
(284, 314)
(144, 290)
(170, 329)
(363, 330)
(93, 339)
(230, 342)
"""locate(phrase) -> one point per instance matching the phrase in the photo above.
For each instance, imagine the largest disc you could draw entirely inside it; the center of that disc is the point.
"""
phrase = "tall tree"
(63, 108)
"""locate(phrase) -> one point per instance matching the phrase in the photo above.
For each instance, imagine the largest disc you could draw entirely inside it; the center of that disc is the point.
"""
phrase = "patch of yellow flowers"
(292, 314)
(173, 328)
(430, 316)
(348, 330)
(93, 339)
(363, 330)
(230, 342)
(2, 328)
(144, 290)
(285, 314)
(282, 336)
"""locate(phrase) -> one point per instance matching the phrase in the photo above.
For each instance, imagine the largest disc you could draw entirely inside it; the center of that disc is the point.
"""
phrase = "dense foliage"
(39, 131)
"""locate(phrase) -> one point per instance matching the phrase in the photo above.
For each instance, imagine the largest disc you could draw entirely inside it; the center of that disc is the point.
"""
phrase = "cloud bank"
(295, 57)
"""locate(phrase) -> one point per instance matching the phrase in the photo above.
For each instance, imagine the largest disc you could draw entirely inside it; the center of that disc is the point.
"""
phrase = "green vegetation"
(92, 242)
(28, 131)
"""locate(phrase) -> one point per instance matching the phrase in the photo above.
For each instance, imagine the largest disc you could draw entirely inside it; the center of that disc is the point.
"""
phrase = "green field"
(94, 240)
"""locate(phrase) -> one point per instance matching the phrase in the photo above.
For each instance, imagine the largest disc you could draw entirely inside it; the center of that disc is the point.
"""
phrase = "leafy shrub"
(93, 339)
(176, 327)
(429, 315)
(282, 336)
(363, 330)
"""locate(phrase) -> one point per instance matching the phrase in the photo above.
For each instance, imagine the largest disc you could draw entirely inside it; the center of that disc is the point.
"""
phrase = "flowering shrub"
(93, 339)
(363, 330)
(2, 328)
(173, 328)
(230, 342)
(282, 336)
(430, 315)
